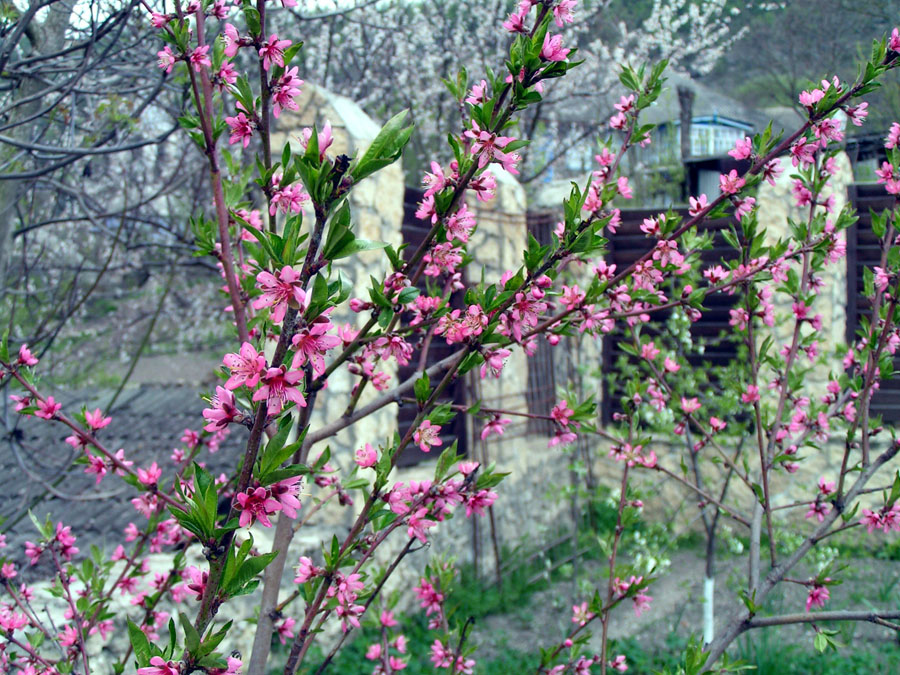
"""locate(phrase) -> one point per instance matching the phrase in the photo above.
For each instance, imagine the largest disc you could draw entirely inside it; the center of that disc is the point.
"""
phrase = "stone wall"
(376, 206)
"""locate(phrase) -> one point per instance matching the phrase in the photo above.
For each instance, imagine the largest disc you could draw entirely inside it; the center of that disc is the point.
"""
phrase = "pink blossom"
(619, 663)
(158, 20)
(197, 581)
(604, 272)
(272, 51)
(731, 183)
(366, 456)
(149, 476)
(818, 510)
(232, 41)
(200, 58)
(751, 394)
(641, 603)
(280, 291)
(417, 524)
(48, 408)
(324, 139)
(166, 59)
(858, 113)
(562, 12)
(487, 146)
(803, 152)
(561, 413)
(95, 465)
(697, 204)
(743, 147)
(826, 487)
(670, 365)
(442, 258)
(284, 629)
(894, 41)
(394, 347)
(256, 504)
(287, 493)
(285, 91)
(515, 23)
(871, 519)
(159, 667)
(33, 552)
(441, 656)
(772, 171)
(484, 186)
(223, 411)
(427, 436)
(495, 426)
(581, 615)
(26, 358)
(592, 202)
(435, 181)
(246, 367)
(649, 351)
(95, 420)
(278, 388)
(689, 405)
(809, 98)
(460, 224)
(893, 137)
(305, 570)
(312, 343)
(190, 438)
(426, 210)
(290, 198)
(817, 596)
(479, 501)
(242, 128)
(743, 207)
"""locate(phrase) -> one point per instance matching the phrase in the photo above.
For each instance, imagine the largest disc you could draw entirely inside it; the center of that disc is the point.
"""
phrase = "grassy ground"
(534, 608)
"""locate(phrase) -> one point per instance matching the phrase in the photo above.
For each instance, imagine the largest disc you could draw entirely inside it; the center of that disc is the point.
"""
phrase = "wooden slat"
(541, 391)
(864, 250)
(627, 246)
(414, 232)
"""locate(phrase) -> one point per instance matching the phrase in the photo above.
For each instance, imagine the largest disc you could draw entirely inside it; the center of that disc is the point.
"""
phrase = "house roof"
(710, 105)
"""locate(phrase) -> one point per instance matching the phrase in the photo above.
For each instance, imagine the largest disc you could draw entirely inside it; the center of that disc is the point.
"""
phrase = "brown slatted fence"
(414, 233)
(864, 250)
(541, 391)
(627, 246)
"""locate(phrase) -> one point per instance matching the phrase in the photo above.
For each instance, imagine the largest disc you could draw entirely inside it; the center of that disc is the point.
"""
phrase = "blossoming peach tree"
(282, 228)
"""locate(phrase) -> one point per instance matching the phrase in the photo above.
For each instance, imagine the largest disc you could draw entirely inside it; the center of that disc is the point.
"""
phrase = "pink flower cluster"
(259, 503)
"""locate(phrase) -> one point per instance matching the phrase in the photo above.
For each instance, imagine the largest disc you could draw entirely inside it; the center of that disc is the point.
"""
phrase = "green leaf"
(385, 149)
(139, 643)
(191, 636)
(266, 242)
(248, 570)
(407, 295)
(423, 388)
(445, 461)
(251, 16)
(355, 246)
(214, 640)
